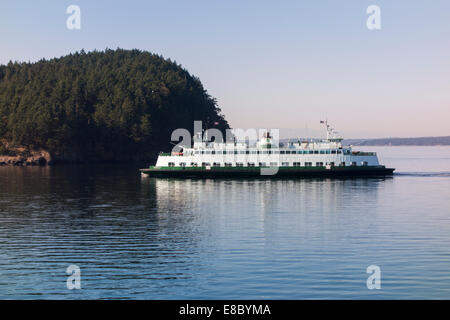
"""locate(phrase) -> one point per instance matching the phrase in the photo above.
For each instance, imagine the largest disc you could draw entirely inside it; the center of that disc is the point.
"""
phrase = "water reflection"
(263, 199)
(170, 238)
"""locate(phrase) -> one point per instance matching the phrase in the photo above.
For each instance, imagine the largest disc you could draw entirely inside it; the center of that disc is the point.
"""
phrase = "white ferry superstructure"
(325, 157)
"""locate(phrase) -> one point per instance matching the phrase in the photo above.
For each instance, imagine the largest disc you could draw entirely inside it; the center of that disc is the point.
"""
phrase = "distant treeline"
(101, 106)
(422, 141)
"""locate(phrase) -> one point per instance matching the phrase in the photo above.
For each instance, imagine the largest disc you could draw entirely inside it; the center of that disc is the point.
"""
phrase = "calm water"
(148, 238)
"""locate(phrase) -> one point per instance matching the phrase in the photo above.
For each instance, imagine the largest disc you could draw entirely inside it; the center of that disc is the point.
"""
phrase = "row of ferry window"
(272, 152)
(264, 164)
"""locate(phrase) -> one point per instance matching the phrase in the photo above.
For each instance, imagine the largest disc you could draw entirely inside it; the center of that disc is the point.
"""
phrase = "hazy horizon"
(294, 133)
(275, 65)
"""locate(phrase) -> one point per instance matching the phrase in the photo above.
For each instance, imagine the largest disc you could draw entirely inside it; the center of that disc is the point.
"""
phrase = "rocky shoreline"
(22, 156)
(33, 158)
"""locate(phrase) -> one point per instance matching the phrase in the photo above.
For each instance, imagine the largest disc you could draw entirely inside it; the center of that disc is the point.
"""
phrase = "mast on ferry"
(332, 135)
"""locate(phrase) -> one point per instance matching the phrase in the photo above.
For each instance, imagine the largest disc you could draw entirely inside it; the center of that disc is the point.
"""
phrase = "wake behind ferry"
(303, 158)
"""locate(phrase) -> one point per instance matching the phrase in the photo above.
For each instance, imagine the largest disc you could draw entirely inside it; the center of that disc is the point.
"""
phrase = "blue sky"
(284, 64)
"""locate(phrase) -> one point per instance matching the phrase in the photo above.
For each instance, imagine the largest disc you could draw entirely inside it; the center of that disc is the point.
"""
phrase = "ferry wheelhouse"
(325, 157)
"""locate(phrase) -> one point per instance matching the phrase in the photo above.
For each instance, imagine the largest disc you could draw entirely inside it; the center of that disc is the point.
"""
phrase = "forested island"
(102, 106)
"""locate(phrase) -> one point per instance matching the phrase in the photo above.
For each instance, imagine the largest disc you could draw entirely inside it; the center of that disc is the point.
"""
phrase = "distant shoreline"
(394, 142)
(398, 145)
(420, 141)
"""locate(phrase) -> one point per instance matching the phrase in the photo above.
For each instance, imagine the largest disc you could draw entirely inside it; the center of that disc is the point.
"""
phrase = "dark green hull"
(255, 172)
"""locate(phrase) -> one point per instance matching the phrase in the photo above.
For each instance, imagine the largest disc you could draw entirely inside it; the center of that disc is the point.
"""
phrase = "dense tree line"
(109, 105)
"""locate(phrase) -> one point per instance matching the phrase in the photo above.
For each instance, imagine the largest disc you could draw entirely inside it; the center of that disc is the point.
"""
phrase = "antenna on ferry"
(326, 126)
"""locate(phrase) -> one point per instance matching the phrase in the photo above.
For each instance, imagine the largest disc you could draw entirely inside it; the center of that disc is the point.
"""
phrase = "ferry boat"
(303, 158)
